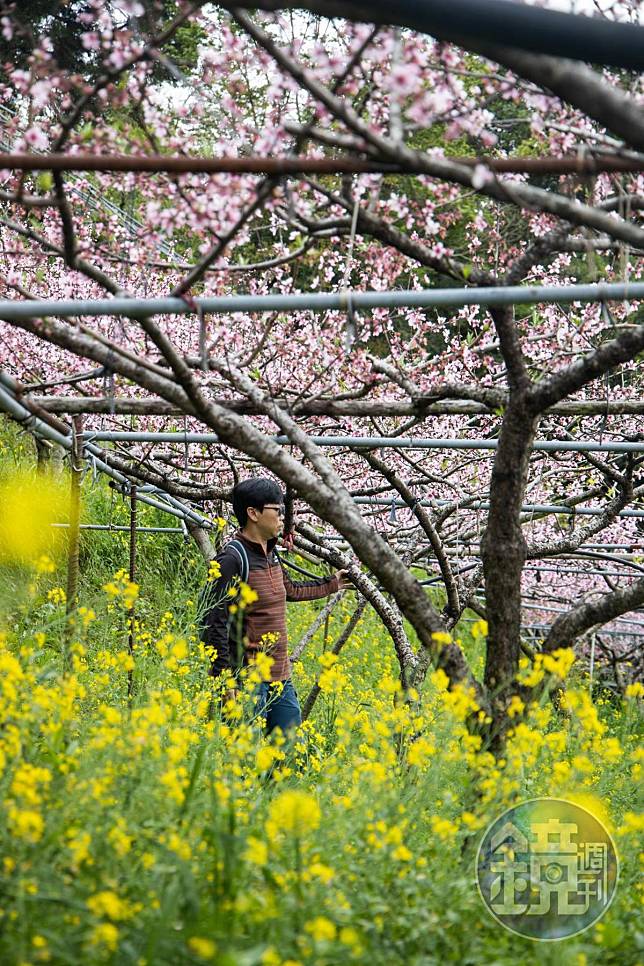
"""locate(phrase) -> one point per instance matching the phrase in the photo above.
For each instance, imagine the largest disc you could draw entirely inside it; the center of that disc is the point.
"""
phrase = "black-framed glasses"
(273, 506)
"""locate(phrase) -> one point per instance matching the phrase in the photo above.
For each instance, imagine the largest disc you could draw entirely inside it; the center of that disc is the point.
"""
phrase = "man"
(237, 633)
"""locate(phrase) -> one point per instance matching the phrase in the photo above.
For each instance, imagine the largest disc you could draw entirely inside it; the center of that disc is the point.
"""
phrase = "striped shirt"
(261, 625)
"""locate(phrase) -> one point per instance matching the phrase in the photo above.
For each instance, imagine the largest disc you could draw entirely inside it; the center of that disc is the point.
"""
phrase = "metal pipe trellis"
(373, 442)
(544, 628)
(116, 528)
(10, 405)
(544, 508)
(545, 606)
(324, 301)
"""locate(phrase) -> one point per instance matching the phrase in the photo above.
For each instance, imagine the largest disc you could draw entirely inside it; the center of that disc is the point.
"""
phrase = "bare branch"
(376, 145)
(423, 517)
(571, 379)
(575, 622)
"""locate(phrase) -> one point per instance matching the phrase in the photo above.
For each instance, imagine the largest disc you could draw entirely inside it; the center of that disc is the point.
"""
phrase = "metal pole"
(108, 528)
(545, 508)
(74, 532)
(154, 406)
(324, 301)
(372, 442)
(132, 574)
(592, 663)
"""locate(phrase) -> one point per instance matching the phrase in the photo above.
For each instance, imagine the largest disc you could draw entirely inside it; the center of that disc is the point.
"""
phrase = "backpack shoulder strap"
(239, 550)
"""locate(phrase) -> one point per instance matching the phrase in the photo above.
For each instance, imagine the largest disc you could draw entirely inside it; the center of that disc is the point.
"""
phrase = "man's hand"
(343, 581)
(287, 540)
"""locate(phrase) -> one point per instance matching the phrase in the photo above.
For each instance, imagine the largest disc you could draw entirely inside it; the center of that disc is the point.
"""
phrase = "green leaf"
(45, 181)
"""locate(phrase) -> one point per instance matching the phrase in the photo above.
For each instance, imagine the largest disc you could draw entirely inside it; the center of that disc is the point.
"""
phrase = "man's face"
(268, 520)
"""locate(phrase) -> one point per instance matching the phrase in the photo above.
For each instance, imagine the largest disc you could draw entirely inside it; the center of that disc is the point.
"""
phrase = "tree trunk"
(503, 549)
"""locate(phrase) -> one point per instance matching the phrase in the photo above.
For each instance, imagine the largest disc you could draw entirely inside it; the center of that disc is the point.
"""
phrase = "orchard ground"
(153, 833)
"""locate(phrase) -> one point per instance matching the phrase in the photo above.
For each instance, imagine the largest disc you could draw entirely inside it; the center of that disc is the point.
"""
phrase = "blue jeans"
(279, 710)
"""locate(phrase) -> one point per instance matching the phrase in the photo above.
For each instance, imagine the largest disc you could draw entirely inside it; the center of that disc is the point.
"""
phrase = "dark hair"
(256, 492)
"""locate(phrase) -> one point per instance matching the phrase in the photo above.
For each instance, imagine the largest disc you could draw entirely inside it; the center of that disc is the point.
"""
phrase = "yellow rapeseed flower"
(443, 828)
(441, 638)
(108, 905)
(632, 822)
(28, 506)
(256, 851)
(201, 947)
(214, 571)
(246, 595)
(516, 706)
(559, 662)
(78, 844)
(56, 595)
(479, 629)
(105, 935)
(321, 929)
(26, 823)
(635, 690)
(295, 812)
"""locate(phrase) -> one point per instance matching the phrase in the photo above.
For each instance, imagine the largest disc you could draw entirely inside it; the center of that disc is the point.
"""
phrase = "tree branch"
(571, 625)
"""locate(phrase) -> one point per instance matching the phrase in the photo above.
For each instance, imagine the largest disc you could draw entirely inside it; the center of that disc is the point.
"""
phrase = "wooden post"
(130, 640)
(74, 531)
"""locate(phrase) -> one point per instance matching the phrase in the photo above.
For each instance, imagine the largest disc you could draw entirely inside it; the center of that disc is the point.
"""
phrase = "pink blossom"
(36, 139)
(91, 40)
(488, 138)
(117, 59)
(40, 92)
(21, 79)
(404, 79)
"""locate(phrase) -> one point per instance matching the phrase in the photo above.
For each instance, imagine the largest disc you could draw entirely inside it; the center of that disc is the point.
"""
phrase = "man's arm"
(215, 622)
(312, 589)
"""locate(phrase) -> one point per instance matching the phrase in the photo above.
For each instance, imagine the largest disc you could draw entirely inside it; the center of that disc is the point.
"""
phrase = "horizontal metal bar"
(324, 301)
(372, 442)
(582, 164)
(110, 527)
(547, 508)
